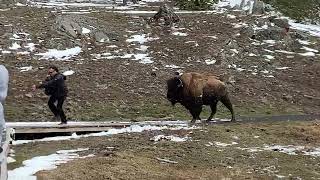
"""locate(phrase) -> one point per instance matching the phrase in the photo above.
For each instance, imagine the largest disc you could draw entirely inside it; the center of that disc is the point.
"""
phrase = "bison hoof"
(192, 123)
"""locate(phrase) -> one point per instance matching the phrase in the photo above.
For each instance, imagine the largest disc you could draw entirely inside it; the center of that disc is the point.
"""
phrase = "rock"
(124, 2)
(258, 7)
(292, 44)
(87, 29)
(100, 37)
(231, 80)
(29, 95)
(268, 8)
(68, 26)
(274, 33)
(107, 153)
(287, 97)
(247, 31)
(280, 22)
(167, 13)
(299, 35)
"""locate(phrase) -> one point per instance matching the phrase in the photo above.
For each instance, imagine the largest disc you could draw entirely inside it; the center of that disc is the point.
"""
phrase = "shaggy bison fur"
(193, 90)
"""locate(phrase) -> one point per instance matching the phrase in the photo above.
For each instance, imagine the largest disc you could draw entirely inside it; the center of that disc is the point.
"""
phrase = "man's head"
(53, 70)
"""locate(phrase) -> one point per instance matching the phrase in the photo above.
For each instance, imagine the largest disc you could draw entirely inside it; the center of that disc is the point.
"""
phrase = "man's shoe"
(62, 123)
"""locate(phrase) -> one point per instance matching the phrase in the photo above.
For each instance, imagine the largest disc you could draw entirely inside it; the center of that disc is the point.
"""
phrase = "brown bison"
(193, 90)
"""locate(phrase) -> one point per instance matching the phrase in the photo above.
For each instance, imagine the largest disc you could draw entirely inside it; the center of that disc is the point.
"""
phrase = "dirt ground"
(134, 155)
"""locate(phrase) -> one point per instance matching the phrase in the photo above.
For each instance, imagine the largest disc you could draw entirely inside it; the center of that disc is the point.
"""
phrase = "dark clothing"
(57, 110)
(55, 88)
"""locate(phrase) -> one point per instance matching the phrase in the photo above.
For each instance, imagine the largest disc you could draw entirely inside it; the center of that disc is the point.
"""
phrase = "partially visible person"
(55, 87)
(4, 80)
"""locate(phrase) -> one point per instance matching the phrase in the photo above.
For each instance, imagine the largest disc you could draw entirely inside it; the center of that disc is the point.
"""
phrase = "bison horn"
(180, 83)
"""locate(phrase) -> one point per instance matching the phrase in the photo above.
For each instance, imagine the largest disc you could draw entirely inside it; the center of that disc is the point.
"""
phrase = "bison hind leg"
(226, 101)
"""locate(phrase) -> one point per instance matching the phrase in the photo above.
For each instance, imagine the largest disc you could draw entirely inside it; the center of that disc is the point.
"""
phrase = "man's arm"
(50, 82)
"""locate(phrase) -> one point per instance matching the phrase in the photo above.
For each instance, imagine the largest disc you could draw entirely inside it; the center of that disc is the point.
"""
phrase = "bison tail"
(226, 101)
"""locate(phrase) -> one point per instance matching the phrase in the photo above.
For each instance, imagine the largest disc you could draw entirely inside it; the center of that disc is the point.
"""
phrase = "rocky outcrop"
(258, 7)
(167, 13)
(80, 27)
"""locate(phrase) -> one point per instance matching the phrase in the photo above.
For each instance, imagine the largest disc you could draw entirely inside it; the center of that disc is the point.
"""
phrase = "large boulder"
(280, 22)
(258, 7)
(274, 33)
(247, 31)
(167, 13)
(79, 27)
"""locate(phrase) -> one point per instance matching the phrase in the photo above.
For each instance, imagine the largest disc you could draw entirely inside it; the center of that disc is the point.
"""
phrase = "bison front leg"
(195, 112)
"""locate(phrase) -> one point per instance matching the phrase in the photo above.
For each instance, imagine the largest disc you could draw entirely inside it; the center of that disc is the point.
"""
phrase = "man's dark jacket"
(55, 86)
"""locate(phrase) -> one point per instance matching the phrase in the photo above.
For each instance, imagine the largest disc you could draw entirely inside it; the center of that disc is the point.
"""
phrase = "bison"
(193, 90)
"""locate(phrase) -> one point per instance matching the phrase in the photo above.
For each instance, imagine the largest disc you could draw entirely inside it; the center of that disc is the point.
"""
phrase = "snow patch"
(30, 46)
(309, 49)
(308, 54)
(210, 61)
(179, 34)
(172, 66)
(60, 54)
(68, 73)
(85, 30)
(220, 144)
(269, 57)
(287, 149)
(15, 46)
(169, 138)
(140, 38)
(269, 41)
(282, 68)
(312, 29)
(24, 69)
(39, 163)
(236, 4)
(285, 52)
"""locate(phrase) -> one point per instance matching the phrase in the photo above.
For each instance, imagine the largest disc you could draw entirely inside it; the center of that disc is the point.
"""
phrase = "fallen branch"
(311, 97)
(167, 161)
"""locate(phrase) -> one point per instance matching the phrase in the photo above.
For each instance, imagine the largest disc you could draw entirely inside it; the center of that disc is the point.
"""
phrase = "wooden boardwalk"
(54, 127)
(88, 126)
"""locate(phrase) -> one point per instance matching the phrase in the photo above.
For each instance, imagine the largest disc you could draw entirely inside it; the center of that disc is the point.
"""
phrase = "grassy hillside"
(300, 10)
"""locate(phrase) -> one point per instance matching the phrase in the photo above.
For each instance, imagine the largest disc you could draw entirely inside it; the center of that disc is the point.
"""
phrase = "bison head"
(174, 89)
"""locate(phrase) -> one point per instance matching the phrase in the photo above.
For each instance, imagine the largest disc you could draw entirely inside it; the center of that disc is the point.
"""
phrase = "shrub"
(195, 4)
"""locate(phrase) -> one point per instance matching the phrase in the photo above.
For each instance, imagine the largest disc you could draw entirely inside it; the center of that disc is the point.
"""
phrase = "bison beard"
(193, 90)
